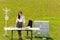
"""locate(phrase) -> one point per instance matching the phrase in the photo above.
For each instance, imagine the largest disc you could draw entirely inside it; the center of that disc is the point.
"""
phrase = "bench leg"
(31, 34)
(12, 35)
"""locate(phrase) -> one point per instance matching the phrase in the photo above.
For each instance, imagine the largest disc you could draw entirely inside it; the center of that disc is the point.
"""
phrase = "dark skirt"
(19, 24)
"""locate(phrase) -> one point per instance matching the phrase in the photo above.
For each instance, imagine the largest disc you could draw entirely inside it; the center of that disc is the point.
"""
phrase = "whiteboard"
(43, 25)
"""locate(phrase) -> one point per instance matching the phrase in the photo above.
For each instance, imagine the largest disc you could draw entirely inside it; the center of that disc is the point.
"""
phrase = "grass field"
(32, 9)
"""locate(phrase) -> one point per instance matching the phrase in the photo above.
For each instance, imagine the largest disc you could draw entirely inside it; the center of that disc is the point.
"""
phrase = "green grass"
(32, 9)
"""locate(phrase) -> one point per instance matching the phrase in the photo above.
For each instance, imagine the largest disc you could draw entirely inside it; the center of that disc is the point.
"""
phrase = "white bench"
(22, 29)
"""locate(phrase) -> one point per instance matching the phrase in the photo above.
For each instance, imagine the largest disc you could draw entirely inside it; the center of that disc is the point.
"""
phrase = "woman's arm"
(24, 22)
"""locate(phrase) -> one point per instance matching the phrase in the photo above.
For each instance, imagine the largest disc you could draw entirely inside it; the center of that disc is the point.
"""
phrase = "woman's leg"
(19, 34)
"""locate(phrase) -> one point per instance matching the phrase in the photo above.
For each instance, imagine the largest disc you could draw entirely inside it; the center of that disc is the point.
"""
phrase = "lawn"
(34, 10)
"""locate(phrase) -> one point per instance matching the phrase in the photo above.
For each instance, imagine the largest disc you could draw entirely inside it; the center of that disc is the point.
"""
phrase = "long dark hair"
(19, 15)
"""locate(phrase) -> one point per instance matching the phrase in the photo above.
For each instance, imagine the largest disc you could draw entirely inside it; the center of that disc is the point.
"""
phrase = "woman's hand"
(24, 24)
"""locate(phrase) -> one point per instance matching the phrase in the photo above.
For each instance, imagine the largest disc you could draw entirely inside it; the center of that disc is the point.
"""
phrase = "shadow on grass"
(34, 38)
(47, 38)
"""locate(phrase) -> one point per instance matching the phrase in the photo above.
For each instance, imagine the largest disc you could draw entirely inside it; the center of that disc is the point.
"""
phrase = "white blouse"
(22, 19)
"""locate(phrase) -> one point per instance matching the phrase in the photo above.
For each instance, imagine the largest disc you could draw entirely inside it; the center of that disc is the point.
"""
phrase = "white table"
(22, 29)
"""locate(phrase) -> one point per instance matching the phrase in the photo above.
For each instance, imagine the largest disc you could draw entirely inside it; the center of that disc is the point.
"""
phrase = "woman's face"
(20, 14)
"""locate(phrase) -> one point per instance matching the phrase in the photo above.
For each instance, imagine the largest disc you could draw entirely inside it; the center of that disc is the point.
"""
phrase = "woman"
(19, 21)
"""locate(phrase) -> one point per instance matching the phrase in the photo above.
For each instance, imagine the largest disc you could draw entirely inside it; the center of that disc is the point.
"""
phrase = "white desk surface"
(15, 28)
